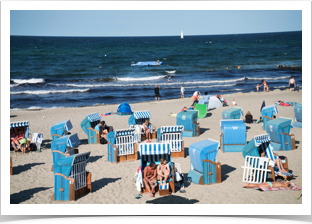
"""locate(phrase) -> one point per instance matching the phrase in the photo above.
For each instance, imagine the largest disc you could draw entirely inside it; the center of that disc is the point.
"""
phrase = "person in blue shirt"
(206, 98)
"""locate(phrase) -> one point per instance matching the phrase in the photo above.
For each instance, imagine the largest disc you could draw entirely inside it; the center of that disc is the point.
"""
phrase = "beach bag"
(32, 147)
(136, 174)
(177, 177)
(103, 141)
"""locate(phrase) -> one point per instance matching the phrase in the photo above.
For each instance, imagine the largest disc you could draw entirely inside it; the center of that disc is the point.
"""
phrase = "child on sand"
(147, 131)
(257, 87)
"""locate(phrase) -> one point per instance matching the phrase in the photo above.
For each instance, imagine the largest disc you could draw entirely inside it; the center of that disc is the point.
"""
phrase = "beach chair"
(88, 124)
(188, 118)
(71, 179)
(21, 125)
(255, 169)
(298, 115)
(173, 136)
(138, 118)
(121, 146)
(204, 169)
(154, 152)
(279, 131)
(267, 114)
(264, 142)
(233, 136)
(202, 109)
(232, 113)
(60, 129)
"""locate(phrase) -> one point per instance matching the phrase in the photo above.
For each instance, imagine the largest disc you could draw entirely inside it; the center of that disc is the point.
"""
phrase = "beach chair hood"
(139, 115)
(234, 131)
(251, 149)
(64, 142)
(59, 127)
(86, 123)
(232, 113)
(277, 126)
(22, 124)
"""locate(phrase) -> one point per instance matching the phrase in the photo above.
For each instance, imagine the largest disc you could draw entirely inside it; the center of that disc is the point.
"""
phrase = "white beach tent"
(214, 102)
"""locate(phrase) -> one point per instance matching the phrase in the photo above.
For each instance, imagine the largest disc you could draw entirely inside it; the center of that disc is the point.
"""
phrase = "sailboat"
(182, 34)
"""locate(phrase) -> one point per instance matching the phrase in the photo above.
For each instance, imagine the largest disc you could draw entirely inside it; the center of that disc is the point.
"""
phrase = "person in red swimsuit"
(265, 86)
(16, 141)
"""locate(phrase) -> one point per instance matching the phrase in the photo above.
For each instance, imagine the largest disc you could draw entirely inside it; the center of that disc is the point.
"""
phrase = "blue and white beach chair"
(138, 118)
(267, 114)
(60, 129)
(233, 136)
(232, 113)
(279, 131)
(121, 146)
(154, 152)
(204, 169)
(298, 115)
(188, 118)
(173, 136)
(71, 179)
(20, 125)
(88, 124)
(263, 142)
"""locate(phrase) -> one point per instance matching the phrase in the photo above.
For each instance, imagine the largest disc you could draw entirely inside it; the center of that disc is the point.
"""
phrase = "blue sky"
(151, 23)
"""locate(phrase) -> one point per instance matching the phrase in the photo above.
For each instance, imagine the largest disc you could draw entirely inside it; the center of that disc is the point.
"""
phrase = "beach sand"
(33, 181)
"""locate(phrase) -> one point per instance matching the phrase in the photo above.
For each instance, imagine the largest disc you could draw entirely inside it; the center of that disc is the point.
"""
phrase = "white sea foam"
(270, 78)
(39, 92)
(231, 90)
(141, 79)
(171, 72)
(22, 81)
(13, 85)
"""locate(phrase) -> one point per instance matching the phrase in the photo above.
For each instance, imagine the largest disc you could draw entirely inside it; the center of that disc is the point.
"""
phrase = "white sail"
(181, 34)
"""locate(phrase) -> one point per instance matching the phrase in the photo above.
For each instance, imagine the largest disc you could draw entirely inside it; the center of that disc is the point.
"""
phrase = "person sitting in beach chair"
(277, 161)
(149, 179)
(19, 140)
(163, 171)
(147, 131)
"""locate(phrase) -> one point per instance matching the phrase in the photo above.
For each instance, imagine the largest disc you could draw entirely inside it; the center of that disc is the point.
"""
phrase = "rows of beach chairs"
(71, 178)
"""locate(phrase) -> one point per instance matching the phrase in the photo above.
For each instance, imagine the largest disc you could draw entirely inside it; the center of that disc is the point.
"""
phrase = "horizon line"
(159, 36)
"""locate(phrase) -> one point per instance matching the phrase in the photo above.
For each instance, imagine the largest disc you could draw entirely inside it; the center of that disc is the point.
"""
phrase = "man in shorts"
(149, 178)
(157, 95)
(182, 91)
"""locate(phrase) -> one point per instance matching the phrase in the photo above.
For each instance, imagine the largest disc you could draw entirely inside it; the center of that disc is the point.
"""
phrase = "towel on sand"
(278, 188)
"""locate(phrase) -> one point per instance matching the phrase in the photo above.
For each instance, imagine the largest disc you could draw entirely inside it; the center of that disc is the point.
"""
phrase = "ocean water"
(49, 72)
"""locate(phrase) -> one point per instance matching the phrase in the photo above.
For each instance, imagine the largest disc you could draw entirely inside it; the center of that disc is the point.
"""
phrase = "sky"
(151, 22)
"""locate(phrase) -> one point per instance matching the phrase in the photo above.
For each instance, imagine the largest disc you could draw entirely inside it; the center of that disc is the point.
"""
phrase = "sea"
(52, 72)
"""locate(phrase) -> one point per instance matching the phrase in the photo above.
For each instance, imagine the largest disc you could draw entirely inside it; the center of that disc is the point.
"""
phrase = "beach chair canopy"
(24, 125)
(124, 109)
(269, 110)
(277, 126)
(139, 117)
(234, 131)
(154, 152)
(59, 127)
(232, 113)
(199, 151)
(186, 118)
(65, 164)
(94, 117)
(252, 148)
(298, 112)
(214, 102)
(64, 142)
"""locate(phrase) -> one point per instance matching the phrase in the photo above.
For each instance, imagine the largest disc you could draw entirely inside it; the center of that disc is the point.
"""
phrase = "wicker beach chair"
(204, 169)
(71, 179)
(138, 118)
(60, 129)
(188, 118)
(233, 136)
(173, 136)
(232, 113)
(267, 114)
(88, 124)
(154, 152)
(24, 127)
(121, 146)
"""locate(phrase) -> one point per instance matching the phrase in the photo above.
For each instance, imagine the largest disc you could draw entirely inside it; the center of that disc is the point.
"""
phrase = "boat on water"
(144, 63)
(182, 34)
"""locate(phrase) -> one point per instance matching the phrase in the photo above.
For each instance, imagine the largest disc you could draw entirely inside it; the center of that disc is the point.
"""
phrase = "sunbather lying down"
(278, 184)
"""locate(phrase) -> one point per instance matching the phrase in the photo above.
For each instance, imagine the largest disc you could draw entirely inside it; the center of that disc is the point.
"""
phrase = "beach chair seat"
(233, 136)
(138, 118)
(204, 169)
(88, 124)
(173, 136)
(153, 132)
(71, 178)
(121, 146)
(264, 142)
(154, 152)
(188, 118)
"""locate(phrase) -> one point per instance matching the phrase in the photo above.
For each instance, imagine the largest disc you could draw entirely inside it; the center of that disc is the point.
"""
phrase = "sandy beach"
(33, 181)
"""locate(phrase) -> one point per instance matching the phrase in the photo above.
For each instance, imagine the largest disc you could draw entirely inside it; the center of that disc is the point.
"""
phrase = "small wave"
(195, 87)
(171, 72)
(39, 92)
(14, 85)
(22, 81)
(142, 78)
(266, 78)
(227, 90)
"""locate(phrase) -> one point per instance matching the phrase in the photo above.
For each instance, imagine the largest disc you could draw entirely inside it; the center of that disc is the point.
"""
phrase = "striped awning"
(94, 117)
(259, 139)
(19, 124)
(169, 129)
(142, 114)
(154, 148)
(124, 132)
(73, 140)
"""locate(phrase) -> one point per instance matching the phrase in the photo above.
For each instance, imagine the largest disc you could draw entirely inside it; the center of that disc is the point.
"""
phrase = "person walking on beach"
(182, 91)
(292, 84)
(157, 95)
(265, 86)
